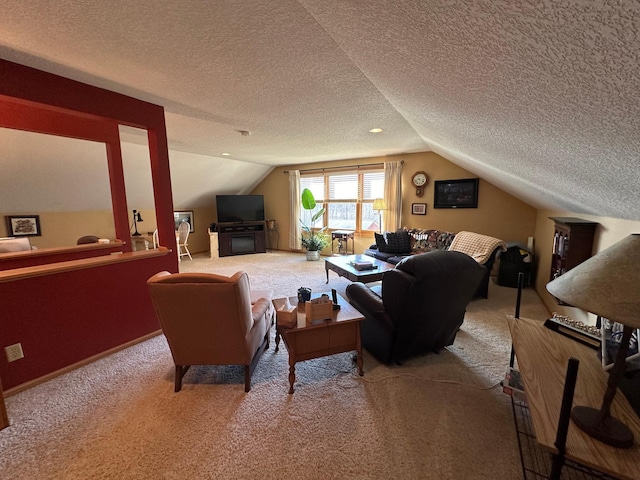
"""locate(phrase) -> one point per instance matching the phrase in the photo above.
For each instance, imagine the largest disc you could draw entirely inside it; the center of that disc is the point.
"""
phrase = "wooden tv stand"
(242, 238)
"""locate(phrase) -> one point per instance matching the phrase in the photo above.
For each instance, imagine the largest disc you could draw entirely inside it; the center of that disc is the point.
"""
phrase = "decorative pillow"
(380, 242)
(398, 242)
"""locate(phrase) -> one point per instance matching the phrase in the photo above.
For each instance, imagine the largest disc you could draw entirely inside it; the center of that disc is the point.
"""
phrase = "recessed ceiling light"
(225, 154)
(375, 130)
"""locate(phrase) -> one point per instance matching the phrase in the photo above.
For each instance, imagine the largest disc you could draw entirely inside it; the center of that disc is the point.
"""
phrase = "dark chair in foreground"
(211, 320)
(421, 306)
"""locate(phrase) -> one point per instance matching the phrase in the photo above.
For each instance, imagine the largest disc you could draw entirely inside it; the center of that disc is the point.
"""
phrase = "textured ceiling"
(539, 97)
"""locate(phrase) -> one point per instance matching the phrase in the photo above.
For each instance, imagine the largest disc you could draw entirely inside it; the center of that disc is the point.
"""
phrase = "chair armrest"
(259, 309)
(368, 303)
(377, 330)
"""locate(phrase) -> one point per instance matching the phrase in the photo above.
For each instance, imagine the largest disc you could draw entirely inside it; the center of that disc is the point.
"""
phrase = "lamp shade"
(378, 204)
(607, 284)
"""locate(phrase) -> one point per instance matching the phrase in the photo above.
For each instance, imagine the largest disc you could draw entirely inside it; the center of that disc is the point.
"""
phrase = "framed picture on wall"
(419, 208)
(186, 216)
(23, 225)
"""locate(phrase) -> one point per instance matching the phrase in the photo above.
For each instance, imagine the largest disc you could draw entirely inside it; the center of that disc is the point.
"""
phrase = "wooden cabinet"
(572, 243)
(241, 238)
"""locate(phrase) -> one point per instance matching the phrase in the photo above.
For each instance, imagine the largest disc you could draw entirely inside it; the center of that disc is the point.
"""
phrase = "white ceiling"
(539, 97)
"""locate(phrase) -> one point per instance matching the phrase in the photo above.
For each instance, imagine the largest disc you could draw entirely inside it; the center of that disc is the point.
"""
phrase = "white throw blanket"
(477, 246)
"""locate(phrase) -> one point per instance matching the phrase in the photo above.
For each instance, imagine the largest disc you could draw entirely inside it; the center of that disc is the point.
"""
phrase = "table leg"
(326, 270)
(359, 350)
(277, 339)
(292, 372)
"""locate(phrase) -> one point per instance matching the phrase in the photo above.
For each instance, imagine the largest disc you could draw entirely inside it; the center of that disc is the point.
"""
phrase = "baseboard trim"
(37, 381)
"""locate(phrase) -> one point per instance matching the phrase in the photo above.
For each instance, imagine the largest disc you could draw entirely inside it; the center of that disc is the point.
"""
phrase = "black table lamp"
(136, 218)
(607, 284)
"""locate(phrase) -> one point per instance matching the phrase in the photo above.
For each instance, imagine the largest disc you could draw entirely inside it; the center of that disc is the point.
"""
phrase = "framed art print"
(23, 225)
(418, 208)
(179, 217)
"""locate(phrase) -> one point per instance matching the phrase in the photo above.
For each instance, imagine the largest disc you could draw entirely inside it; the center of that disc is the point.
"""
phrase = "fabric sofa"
(420, 307)
(393, 247)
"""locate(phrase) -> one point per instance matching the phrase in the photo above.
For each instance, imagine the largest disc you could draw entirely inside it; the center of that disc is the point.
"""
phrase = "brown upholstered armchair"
(421, 305)
(211, 320)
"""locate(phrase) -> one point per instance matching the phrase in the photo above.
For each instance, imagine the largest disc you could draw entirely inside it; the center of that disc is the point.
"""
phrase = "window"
(348, 197)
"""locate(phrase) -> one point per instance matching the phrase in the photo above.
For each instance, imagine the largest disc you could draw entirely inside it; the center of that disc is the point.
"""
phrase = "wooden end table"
(343, 267)
(322, 338)
(343, 237)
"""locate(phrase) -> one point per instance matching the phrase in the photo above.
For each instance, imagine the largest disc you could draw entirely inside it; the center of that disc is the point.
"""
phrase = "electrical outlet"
(14, 352)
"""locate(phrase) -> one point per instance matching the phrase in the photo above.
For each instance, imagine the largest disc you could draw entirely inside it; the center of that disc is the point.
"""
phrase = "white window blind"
(348, 197)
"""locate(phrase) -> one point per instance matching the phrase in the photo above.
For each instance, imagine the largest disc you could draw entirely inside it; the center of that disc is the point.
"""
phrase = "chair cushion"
(398, 242)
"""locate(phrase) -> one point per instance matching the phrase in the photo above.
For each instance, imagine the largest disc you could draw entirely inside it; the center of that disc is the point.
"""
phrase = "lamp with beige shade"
(606, 285)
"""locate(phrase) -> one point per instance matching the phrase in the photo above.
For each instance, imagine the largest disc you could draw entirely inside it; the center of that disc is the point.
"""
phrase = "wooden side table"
(326, 337)
(213, 244)
(343, 237)
(542, 359)
(273, 237)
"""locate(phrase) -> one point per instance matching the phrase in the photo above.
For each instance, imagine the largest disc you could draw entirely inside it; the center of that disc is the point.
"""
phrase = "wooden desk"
(542, 360)
(141, 242)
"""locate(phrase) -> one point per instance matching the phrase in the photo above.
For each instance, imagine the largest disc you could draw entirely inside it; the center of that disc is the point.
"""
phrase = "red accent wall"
(64, 318)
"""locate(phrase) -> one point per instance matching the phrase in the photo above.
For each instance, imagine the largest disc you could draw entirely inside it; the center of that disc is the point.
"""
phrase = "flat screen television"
(240, 208)
(461, 193)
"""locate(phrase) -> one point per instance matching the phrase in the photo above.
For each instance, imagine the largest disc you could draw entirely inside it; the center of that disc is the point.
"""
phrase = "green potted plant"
(313, 239)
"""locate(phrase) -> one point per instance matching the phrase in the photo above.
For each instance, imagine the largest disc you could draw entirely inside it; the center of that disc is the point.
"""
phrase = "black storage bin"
(515, 260)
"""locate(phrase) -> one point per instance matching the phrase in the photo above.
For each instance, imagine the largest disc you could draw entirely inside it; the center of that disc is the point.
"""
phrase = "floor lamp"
(607, 285)
(379, 205)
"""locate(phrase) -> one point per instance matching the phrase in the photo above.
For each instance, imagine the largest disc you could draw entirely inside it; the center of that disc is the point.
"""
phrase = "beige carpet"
(435, 417)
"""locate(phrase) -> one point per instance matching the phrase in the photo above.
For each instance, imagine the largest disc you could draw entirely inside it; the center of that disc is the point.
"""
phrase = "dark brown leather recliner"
(212, 320)
(422, 306)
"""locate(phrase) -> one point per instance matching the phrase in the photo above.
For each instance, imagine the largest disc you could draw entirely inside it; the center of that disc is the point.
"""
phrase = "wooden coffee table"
(342, 266)
(322, 338)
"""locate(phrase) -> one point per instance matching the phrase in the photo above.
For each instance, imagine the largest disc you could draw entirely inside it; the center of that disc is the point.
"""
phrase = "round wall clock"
(420, 180)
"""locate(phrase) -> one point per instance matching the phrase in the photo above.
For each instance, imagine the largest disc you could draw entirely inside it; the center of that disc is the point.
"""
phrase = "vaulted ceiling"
(539, 97)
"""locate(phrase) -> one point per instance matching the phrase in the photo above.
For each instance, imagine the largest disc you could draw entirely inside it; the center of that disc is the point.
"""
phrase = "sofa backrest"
(430, 240)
